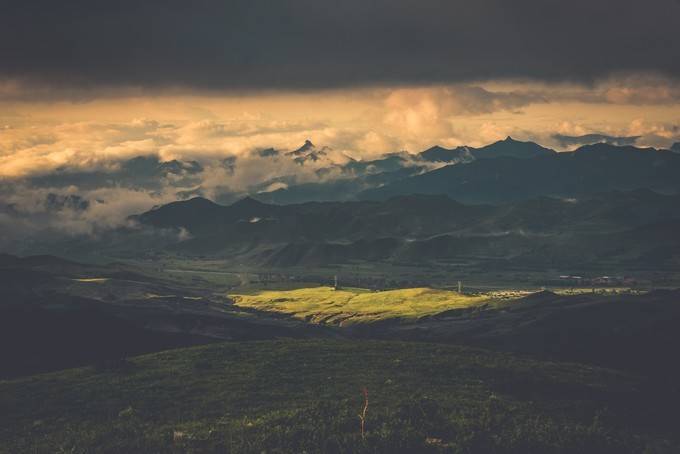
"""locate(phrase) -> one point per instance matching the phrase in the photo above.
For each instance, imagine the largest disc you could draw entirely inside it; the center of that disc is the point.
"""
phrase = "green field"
(348, 306)
(304, 396)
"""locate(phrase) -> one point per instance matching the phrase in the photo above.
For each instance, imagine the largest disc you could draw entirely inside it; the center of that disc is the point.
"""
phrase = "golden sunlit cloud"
(40, 136)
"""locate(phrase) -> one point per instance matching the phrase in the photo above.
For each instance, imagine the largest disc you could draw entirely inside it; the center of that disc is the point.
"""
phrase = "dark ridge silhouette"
(588, 170)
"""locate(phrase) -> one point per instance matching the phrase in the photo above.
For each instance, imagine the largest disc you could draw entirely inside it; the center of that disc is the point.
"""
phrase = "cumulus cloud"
(43, 146)
(433, 112)
(89, 177)
(29, 214)
(639, 89)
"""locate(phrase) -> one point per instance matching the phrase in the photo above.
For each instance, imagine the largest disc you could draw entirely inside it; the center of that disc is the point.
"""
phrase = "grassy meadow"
(347, 306)
(306, 395)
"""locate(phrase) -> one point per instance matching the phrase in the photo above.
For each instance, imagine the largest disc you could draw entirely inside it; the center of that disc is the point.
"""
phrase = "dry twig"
(362, 415)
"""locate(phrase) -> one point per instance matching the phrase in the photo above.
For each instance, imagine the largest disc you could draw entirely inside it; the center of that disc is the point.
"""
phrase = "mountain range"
(426, 228)
(589, 169)
(507, 170)
(508, 202)
(502, 171)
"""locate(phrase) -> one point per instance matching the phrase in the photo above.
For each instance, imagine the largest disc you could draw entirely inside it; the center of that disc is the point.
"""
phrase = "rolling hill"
(56, 314)
(628, 228)
(304, 396)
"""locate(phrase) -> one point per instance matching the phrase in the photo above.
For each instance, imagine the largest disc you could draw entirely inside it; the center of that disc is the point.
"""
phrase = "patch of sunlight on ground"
(93, 279)
(348, 306)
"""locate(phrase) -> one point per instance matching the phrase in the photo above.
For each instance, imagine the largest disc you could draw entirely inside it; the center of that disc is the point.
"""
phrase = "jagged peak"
(439, 147)
(435, 147)
(308, 145)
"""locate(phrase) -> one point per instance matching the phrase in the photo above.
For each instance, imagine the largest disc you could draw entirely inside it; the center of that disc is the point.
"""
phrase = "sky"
(38, 136)
(85, 85)
(209, 78)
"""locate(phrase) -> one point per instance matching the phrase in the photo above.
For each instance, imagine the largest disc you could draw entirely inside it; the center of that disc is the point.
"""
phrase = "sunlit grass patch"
(98, 280)
(155, 296)
(351, 305)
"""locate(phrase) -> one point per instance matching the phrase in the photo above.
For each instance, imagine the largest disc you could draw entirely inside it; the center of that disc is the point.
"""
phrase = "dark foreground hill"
(304, 396)
(637, 333)
(56, 314)
(291, 395)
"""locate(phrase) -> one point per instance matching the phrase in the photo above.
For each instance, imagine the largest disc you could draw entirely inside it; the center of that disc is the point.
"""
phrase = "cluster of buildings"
(600, 281)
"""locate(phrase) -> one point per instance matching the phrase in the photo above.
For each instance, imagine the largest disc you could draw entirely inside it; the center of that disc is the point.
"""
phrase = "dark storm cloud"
(257, 44)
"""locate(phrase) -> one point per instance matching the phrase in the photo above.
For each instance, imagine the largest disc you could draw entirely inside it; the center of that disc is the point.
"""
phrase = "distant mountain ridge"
(588, 170)
(417, 228)
(504, 171)
(511, 148)
(356, 175)
(333, 176)
(441, 154)
(508, 148)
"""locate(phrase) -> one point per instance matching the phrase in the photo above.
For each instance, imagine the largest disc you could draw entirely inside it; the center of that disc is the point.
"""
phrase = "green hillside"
(348, 306)
(304, 396)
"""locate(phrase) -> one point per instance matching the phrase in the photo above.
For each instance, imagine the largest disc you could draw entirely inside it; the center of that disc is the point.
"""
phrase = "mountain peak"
(186, 213)
(307, 148)
(195, 201)
(247, 201)
(308, 152)
(438, 153)
(512, 148)
(308, 145)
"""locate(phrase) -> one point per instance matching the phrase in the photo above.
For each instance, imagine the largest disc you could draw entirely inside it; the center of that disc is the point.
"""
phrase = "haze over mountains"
(633, 228)
(508, 173)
